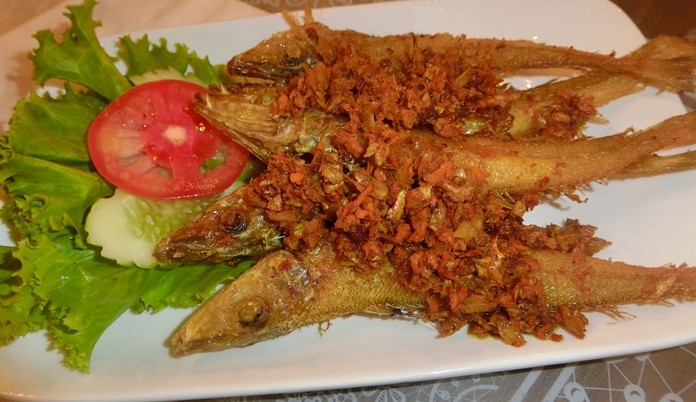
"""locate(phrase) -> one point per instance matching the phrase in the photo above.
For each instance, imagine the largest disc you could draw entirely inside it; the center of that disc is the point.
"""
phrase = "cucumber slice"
(127, 227)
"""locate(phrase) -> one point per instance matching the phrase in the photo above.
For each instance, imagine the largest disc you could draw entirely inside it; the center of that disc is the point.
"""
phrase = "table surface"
(665, 375)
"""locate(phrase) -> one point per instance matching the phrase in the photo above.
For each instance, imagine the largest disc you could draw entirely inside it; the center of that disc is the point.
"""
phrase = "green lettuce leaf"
(78, 57)
(142, 56)
(53, 128)
(78, 294)
(52, 279)
(20, 312)
(47, 196)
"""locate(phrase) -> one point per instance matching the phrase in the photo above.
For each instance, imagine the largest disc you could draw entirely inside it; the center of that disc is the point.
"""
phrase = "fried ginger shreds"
(465, 252)
(429, 90)
(450, 238)
(465, 255)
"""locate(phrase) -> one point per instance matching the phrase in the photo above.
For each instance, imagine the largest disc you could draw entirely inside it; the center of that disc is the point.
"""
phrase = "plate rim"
(592, 352)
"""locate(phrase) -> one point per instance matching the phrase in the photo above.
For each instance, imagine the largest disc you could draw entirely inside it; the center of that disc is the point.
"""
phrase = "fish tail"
(667, 62)
(674, 132)
(571, 279)
(536, 105)
(659, 164)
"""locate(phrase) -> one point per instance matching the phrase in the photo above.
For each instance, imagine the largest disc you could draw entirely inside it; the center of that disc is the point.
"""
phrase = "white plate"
(649, 221)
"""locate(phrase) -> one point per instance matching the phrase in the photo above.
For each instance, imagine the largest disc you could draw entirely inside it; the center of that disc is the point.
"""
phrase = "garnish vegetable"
(150, 142)
(52, 279)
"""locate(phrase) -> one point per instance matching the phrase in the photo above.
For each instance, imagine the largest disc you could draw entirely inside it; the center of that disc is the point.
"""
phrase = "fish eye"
(234, 222)
(292, 61)
(253, 312)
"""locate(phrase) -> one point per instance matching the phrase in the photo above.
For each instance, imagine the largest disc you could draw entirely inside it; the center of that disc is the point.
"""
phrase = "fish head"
(245, 114)
(282, 55)
(228, 229)
(260, 304)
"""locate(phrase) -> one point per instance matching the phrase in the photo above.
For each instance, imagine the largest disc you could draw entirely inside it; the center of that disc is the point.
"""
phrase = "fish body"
(284, 292)
(286, 53)
(514, 166)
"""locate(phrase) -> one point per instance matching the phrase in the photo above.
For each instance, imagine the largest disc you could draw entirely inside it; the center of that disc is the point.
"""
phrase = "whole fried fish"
(514, 166)
(455, 85)
(284, 292)
(665, 61)
(534, 111)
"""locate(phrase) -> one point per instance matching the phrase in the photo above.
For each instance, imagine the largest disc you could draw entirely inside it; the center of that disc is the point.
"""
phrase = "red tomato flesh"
(151, 143)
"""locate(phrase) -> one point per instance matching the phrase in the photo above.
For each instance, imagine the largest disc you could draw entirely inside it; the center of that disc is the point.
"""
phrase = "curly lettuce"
(51, 279)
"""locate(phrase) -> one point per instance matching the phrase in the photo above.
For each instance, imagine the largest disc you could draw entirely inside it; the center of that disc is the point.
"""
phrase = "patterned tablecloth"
(666, 375)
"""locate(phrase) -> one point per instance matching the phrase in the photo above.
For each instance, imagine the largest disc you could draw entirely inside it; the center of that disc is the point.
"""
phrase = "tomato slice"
(151, 143)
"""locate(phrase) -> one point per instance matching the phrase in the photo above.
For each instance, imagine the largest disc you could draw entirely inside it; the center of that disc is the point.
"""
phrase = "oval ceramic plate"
(648, 220)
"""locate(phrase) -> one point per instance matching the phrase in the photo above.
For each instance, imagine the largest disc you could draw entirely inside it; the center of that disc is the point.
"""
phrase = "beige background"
(675, 17)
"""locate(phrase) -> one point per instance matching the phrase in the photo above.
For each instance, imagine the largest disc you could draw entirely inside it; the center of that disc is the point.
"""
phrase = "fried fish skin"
(286, 53)
(283, 292)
